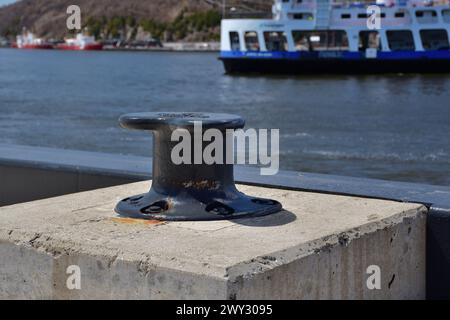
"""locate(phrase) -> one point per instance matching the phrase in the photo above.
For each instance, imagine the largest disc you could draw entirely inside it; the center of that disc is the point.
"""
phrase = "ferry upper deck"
(305, 25)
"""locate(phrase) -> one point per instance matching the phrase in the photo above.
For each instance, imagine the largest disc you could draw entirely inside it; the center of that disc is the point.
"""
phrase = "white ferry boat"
(323, 36)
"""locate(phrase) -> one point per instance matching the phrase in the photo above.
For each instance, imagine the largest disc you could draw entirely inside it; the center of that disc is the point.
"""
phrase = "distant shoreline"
(166, 47)
(173, 47)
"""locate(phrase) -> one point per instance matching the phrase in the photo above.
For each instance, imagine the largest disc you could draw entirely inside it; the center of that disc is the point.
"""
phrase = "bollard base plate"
(185, 207)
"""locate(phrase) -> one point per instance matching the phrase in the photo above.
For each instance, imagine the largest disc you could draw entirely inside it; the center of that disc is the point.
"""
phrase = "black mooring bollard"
(189, 191)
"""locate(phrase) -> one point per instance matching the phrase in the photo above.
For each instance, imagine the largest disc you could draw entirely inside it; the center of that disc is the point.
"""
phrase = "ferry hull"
(334, 66)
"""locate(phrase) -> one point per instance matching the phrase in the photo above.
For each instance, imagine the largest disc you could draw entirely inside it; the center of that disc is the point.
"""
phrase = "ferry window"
(399, 14)
(320, 40)
(446, 15)
(434, 39)
(426, 16)
(251, 41)
(365, 15)
(302, 16)
(234, 41)
(346, 16)
(369, 40)
(400, 40)
(425, 13)
(275, 41)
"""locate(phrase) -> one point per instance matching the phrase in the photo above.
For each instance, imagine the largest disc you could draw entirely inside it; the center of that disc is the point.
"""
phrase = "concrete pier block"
(321, 247)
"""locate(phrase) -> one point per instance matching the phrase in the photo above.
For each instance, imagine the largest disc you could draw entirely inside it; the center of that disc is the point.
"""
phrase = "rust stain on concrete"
(137, 221)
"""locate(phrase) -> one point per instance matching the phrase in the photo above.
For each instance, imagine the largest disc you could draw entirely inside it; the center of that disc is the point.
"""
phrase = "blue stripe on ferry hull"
(444, 54)
(336, 62)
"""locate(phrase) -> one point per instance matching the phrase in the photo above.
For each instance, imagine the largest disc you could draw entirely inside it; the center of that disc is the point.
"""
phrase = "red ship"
(28, 41)
(81, 42)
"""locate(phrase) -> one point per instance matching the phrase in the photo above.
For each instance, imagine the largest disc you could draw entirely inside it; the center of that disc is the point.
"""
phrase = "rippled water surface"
(390, 127)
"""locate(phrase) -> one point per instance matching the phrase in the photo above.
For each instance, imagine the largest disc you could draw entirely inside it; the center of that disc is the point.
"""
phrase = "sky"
(3, 2)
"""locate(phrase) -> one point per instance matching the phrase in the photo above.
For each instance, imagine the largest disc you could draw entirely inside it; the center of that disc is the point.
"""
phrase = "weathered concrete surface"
(319, 248)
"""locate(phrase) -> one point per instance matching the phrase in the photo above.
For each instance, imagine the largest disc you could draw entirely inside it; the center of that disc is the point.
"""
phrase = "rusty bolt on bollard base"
(189, 192)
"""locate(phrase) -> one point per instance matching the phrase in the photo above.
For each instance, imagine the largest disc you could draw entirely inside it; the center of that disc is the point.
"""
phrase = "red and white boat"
(81, 42)
(28, 41)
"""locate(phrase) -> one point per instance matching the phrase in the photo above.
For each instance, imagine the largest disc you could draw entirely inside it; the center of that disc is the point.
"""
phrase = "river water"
(394, 127)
